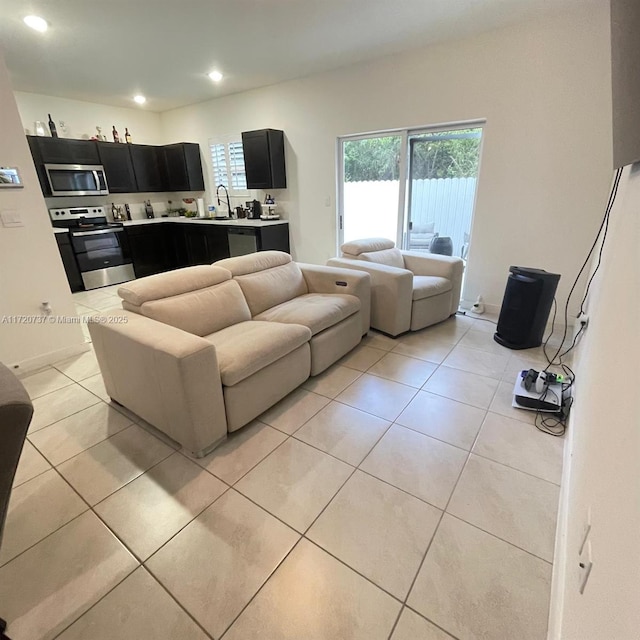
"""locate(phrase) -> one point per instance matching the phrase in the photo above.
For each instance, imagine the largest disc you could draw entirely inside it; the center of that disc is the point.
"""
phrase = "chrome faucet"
(221, 186)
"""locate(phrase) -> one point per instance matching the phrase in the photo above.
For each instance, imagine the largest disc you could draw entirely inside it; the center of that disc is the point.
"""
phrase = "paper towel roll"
(201, 212)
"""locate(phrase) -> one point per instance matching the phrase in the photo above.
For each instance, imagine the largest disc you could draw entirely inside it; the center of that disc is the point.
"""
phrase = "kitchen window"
(227, 161)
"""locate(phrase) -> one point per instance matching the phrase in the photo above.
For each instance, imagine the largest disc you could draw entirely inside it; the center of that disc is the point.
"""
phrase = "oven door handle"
(98, 232)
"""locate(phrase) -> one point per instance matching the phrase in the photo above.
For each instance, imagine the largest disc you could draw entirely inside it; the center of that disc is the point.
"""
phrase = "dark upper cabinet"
(65, 151)
(264, 159)
(129, 168)
(183, 167)
(118, 167)
(148, 167)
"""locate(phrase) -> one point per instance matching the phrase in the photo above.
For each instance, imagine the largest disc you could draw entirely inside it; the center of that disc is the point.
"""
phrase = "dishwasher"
(242, 241)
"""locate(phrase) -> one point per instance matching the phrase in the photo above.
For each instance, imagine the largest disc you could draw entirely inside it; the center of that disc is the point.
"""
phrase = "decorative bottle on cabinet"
(116, 137)
(127, 136)
(52, 127)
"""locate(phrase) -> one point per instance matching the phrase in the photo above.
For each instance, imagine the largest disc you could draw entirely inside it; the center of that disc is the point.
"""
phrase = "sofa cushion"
(267, 278)
(318, 311)
(171, 283)
(354, 248)
(202, 311)
(245, 348)
(389, 257)
(428, 286)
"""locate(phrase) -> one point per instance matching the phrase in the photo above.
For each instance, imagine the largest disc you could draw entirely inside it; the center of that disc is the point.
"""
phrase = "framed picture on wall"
(10, 177)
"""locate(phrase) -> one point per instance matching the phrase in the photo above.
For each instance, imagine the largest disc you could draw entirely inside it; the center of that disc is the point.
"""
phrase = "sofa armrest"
(165, 375)
(391, 294)
(321, 279)
(437, 265)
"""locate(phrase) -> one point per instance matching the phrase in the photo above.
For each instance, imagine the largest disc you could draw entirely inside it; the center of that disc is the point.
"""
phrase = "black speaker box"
(525, 307)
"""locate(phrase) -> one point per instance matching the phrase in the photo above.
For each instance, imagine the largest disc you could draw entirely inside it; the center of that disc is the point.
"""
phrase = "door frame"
(403, 198)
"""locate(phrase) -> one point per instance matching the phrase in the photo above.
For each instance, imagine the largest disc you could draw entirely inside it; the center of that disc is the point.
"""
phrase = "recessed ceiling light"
(216, 76)
(139, 99)
(37, 23)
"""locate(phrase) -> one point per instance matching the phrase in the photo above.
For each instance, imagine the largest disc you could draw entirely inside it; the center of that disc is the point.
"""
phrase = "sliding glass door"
(415, 187)
(369, 187)
(443, 174)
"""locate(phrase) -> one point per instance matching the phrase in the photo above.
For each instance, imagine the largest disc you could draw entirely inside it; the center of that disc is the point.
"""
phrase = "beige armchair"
(409, 291)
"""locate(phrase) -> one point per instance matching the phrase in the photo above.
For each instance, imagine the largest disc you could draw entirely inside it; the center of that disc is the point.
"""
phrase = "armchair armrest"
(437, 265)
(321, 279)
(165, 375)
(391, 294)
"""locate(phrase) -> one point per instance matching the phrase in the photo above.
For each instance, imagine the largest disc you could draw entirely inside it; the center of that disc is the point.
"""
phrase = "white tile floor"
(396, 496)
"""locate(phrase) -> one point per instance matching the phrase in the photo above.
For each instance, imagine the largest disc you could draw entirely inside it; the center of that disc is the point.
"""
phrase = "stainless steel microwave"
(76, 179)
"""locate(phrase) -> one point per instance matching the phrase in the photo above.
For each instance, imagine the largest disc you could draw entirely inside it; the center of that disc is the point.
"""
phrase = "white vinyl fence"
(371, 208)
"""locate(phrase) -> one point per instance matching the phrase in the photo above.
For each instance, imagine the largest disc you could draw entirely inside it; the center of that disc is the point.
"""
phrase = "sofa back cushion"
(267, 278)
(380, 250)
(199, 300)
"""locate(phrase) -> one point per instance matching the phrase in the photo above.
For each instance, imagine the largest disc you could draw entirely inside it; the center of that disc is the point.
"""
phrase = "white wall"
(31, 270)
(602, 454)
(544, 88)
(81, 118)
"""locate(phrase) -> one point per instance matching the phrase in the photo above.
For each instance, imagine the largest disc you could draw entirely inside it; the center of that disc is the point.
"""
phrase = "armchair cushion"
(318, 311)
(428, 286)
(247, 347)
(354, 248)
(390, 257)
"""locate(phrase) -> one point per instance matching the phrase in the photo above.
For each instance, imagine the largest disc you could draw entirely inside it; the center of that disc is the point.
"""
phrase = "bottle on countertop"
(114, 212)
(52, 127)
(148, 209)
(127, 210)
(127, 136)
(116, 137)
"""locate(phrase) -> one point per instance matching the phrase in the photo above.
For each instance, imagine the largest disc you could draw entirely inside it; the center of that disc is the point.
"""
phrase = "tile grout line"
(304, 535)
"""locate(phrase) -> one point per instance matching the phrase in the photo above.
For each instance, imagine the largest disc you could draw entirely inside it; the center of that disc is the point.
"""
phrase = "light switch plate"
(11, 218)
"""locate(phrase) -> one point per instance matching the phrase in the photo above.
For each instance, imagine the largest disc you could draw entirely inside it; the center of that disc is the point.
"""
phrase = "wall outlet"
(11, 218)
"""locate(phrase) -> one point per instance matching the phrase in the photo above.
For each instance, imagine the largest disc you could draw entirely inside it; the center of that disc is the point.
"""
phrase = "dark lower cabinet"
(151, 249)
(162, 246)
(69, 262)
(205, 245)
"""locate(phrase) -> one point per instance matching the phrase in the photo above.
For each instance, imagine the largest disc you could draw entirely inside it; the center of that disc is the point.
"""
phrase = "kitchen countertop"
(243, 222)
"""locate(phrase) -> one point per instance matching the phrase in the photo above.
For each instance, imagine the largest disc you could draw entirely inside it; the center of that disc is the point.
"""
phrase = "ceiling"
(107, 51)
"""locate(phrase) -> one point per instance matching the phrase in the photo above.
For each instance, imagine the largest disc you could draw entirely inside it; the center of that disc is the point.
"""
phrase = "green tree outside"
(451, 154)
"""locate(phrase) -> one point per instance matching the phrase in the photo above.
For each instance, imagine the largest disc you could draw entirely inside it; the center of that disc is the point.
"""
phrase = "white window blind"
(227, 161)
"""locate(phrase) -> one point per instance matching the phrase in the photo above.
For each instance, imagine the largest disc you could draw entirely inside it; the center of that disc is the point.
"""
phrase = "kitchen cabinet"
(129, 168)
(162, 246)
(69, 261)
(151, 249)
(264, 159)
(64, 150)
(183, 167)
(148, 167)
(205, 245)
(118, 167)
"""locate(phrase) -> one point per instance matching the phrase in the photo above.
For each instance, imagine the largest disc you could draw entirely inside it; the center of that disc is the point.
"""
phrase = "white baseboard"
(30, 365)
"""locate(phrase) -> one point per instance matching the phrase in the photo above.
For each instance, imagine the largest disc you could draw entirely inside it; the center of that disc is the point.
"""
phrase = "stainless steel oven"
(101, 249)
(76, 179)
(103, 256)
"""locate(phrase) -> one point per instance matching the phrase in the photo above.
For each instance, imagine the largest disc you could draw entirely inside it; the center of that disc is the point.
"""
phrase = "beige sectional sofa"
(202, 351)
